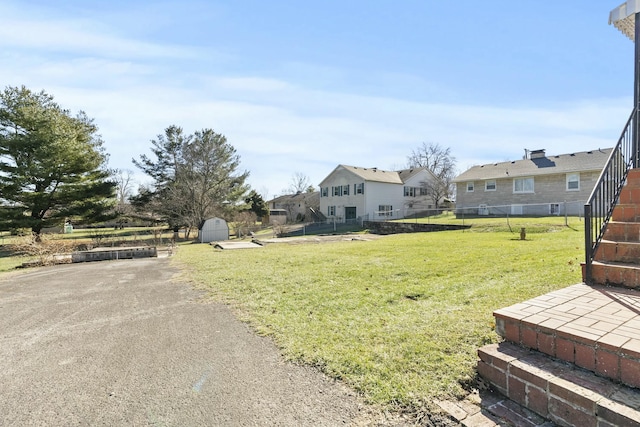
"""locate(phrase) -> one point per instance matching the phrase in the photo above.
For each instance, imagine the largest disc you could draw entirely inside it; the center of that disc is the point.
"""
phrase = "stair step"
(622, 231)
(631, 191)
(626, 213)
(557, 391)
(633, 179)
(594, 327)
(617, 274)
(612, 251)
(488, 408)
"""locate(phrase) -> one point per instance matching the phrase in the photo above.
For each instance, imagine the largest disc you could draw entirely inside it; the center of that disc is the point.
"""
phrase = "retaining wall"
(408, 227)
(103, 254)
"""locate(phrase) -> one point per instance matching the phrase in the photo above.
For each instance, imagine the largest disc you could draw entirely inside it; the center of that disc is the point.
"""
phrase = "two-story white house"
(351, 193)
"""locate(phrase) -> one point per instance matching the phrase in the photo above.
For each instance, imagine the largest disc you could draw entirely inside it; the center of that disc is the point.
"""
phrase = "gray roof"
(307, 197)
(370, 174)
(408, 173)
(564, 163)
(375, 174)
(379, 175)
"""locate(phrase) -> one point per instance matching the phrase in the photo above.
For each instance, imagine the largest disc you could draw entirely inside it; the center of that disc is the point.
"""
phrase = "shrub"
(49, 250)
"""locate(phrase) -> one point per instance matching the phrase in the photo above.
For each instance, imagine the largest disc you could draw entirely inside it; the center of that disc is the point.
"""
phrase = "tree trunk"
(37, 232)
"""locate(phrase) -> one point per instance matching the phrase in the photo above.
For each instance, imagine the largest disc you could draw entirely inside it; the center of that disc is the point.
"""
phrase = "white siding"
(417, 203)
(376, 194)
(342, 178)
(380, 193)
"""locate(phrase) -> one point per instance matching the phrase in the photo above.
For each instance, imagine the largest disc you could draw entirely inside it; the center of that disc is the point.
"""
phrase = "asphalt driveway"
(126, 343)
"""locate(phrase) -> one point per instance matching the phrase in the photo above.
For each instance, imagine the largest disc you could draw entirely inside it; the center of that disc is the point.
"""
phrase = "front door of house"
(350, 213)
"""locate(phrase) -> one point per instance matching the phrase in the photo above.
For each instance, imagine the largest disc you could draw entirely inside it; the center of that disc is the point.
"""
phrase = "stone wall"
(103, 254)
(408, 227)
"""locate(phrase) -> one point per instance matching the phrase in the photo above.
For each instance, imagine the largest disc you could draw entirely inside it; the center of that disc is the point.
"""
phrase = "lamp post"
(626, 18)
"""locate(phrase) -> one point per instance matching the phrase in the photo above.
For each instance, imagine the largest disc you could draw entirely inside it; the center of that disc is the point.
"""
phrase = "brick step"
(593, 327)
(626, 213)
(630, 193)
(622, 231)
(633, 179)
(488, 408)
(612, 251)
(619, 274)
(557, 391)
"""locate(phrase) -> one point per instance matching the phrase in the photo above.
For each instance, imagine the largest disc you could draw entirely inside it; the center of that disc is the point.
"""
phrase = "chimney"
(538, 154)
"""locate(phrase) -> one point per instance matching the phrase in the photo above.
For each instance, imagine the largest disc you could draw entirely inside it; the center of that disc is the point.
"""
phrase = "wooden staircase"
(573, 356)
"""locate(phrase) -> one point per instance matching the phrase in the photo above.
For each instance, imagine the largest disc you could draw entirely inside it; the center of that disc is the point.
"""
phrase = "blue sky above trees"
(301, 87)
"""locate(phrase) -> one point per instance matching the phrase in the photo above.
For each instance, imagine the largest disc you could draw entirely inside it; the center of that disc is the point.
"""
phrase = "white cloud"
(279, 126)
(275, 140)
(22, 31)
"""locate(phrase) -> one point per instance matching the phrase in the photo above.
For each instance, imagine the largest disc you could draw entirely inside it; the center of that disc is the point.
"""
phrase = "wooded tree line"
(53, 169)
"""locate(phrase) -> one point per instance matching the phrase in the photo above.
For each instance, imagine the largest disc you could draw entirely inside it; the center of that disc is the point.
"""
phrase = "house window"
(331, 211)
(345, 190)
(523, 185)
(423, 191)
(469, 187)
(409, 191)
(573, 182)
(490, 185)
(385, 210)
(358, 188)
(336, 190)
(554, 209)
(324, 192)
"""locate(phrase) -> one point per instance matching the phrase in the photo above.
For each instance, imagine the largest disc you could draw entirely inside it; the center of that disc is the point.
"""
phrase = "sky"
(300, 87)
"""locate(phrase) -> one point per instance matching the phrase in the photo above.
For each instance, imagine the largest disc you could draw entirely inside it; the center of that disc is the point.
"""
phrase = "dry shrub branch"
(49, 250)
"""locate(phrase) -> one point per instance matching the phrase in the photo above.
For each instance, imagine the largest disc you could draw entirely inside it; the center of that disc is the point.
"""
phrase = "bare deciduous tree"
(441, 163)
(245, 222)
(124, 190)
(300, 183)
(124, 185)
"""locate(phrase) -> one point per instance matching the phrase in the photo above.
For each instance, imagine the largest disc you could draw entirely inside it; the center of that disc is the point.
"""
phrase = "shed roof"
(212, 219)
(564, 163)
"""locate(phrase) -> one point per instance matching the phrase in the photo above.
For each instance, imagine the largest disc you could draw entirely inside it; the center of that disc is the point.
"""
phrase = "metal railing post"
(600, 204)
(588, 242)
(636, 93)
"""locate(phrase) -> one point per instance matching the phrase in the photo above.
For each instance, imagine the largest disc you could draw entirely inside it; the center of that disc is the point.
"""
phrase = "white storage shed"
(213, 230)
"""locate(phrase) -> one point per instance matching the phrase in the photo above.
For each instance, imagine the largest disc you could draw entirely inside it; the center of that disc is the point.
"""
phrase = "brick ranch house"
(536, 185)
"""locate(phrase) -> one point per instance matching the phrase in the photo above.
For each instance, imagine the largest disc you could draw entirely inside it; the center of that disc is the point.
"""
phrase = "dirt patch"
(323, 239)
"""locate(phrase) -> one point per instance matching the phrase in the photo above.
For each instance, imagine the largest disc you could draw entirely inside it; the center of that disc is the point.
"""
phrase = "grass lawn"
(397, 318)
